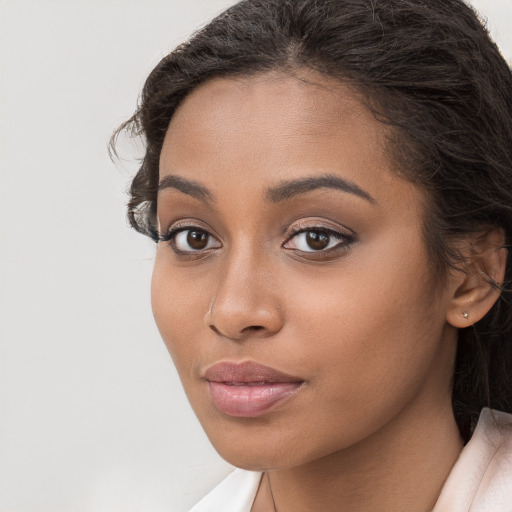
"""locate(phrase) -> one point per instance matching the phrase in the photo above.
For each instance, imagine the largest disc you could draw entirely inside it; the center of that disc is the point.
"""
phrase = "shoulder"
(235, 493)
(481, 480)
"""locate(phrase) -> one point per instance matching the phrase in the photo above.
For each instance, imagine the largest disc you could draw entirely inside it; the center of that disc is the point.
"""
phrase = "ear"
(474, 286)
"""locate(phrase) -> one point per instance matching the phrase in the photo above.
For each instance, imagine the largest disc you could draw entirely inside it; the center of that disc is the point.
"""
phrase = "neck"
(400, 469)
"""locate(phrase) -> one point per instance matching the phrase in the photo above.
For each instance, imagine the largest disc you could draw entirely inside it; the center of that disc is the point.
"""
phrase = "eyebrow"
(286, 190)
(189, 187)
(293, 188)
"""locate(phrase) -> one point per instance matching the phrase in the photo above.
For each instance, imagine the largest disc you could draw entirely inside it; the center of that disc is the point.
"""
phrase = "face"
(291, 283)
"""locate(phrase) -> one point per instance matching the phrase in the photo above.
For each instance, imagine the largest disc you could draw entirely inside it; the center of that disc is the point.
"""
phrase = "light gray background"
(93, 418)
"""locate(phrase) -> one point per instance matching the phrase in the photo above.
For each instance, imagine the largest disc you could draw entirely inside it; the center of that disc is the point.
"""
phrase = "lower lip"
(250, 401)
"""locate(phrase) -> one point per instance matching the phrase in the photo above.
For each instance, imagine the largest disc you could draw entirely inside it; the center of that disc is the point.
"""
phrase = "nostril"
(242, 334)
(253, 328)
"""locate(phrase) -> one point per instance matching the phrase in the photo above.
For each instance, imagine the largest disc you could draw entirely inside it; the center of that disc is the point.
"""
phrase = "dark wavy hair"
(431, 73)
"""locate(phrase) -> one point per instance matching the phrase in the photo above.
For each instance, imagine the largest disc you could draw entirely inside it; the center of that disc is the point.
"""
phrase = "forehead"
(274, 126)
(308, 102)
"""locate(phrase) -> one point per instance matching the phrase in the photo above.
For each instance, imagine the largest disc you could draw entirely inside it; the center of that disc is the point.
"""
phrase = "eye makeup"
(312, 240)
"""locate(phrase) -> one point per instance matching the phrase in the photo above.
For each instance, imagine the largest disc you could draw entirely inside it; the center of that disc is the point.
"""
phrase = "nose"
(245, 301)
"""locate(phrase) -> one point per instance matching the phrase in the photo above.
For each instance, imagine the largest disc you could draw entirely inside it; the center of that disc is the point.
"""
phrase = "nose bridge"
(245, 301)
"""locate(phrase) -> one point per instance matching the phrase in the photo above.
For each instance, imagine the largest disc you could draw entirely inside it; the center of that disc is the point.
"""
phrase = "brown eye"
(317, 240)
(197, 239)
(191, 240)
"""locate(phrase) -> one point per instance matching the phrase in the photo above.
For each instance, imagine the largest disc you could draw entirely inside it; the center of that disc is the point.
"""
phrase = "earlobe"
(477, 287)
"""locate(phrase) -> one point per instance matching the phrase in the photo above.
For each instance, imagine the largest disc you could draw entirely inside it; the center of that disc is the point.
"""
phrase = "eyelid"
(318, 225)
(346, 238)
(182, 225)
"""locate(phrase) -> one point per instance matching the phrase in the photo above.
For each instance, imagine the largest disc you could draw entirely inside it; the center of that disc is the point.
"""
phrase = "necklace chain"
(271, 493)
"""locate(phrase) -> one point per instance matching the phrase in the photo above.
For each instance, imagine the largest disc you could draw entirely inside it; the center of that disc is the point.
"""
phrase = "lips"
(249, 389)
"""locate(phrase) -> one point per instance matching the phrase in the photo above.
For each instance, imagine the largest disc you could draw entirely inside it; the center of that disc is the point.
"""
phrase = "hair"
(427, 70)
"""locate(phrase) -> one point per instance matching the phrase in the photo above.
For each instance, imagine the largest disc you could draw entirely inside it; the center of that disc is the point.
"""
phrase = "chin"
(252, 460)
(254, 448)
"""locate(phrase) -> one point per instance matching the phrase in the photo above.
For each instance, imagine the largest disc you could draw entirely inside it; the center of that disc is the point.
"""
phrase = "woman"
(330, 187)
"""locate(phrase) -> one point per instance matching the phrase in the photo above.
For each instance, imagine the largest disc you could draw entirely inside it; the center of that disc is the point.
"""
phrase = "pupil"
(317, 240)
(197, 239)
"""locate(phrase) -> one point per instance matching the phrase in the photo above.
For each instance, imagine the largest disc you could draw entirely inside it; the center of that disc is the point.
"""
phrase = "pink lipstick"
(249, 389)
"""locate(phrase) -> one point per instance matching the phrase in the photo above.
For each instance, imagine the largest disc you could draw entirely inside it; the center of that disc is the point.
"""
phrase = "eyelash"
(345, 239)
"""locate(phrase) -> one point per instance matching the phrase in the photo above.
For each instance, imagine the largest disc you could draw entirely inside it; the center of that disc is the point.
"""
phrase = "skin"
(363, 324)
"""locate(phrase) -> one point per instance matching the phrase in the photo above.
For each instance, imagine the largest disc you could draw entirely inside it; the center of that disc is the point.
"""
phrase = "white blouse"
(480, 481)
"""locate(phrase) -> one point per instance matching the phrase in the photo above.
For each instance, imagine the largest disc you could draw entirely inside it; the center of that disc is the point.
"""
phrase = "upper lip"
(246, 371)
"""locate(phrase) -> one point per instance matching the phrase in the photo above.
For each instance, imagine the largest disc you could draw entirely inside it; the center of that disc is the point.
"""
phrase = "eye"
(318, 240)
(190, 240)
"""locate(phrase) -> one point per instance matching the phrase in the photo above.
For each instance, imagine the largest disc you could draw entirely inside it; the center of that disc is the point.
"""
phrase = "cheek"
(178, 309)
(367, 330)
